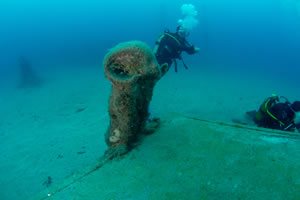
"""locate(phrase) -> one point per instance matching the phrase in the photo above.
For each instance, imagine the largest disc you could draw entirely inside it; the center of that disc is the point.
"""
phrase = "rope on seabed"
(103, 160)
(264, 131)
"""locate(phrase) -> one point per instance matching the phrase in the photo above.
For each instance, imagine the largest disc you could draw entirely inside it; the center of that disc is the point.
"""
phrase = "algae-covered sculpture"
(133, 71)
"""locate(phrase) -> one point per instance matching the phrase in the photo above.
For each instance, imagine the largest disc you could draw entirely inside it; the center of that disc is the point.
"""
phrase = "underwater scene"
(149, 100)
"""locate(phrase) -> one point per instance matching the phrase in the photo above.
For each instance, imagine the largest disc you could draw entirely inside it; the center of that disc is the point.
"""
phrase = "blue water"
(239, 36)
(263, 32)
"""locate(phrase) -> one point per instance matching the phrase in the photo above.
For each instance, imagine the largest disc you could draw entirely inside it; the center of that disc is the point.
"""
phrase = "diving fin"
(298, 126)
(251, 114)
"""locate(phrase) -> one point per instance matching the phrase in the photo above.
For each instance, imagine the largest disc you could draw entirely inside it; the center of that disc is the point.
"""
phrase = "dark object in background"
(28, 77)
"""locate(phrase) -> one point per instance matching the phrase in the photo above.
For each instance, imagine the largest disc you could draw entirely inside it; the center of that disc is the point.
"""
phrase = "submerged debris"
(28, 76)
(48, 181)
(81, 152)
(78, 110)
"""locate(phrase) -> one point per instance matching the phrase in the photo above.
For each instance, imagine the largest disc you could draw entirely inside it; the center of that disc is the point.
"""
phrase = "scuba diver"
(169, 47)
(276, 112)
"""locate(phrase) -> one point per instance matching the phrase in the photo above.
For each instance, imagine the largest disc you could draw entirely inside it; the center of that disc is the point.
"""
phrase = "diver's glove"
(196, 49)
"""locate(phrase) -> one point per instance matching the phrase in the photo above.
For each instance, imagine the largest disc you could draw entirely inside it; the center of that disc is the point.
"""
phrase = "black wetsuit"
(276, 116)
(169, 47)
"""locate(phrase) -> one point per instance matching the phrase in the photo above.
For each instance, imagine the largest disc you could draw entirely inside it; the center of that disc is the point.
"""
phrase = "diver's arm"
(190, 49)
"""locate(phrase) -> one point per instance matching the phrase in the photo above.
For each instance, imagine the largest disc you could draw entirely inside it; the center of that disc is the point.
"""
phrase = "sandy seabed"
(51, 132)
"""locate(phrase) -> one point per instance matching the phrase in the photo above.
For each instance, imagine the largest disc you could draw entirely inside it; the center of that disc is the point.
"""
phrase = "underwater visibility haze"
(54, 95)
